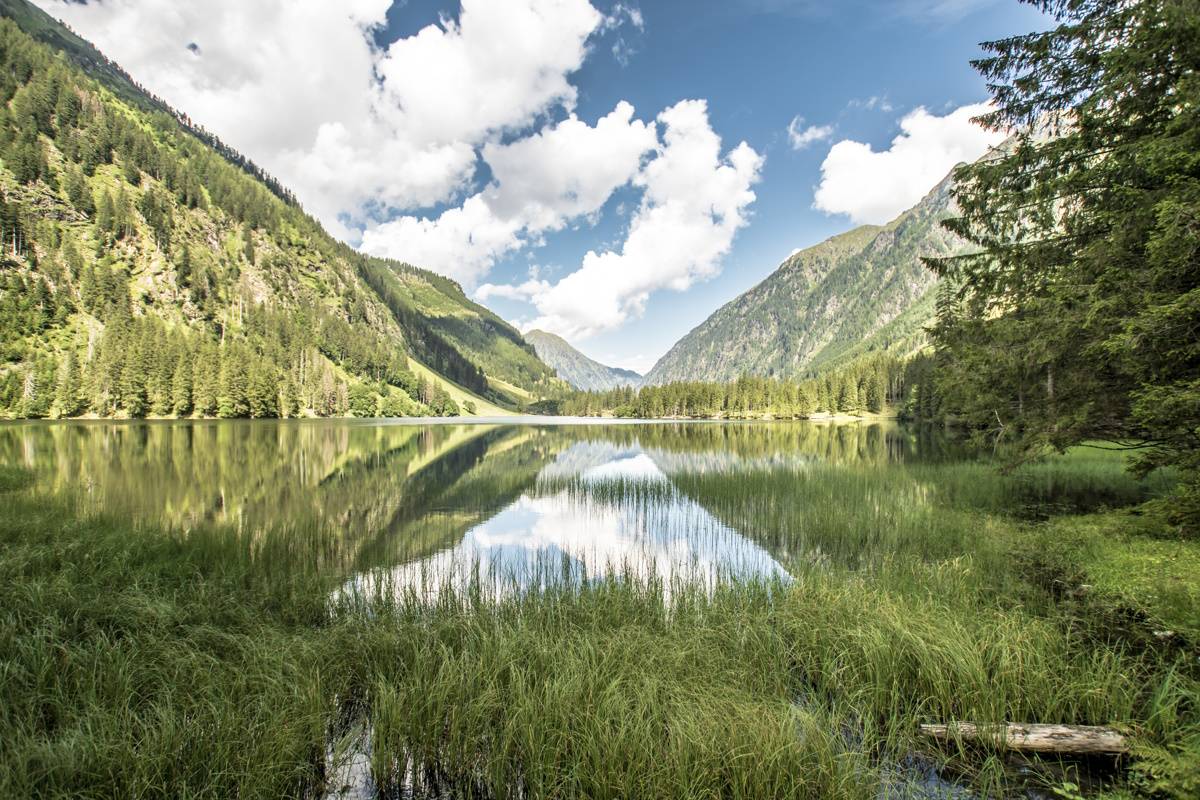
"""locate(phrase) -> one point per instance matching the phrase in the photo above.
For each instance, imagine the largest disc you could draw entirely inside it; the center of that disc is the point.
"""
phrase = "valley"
(312, 489)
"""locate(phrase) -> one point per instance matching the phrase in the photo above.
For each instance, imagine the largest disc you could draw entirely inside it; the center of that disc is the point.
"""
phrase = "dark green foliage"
(1078, 317)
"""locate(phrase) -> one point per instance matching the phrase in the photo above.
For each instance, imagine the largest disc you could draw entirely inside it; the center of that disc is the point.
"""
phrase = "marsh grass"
(223, 662)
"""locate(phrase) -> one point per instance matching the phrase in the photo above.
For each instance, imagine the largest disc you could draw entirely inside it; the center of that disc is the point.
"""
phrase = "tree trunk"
(1083, 740)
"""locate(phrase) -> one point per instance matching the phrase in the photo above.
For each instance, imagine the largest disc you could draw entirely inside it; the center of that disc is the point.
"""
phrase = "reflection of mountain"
(357, 495)
(449, 496)
(574, 535)
(836, 500)
(359, 486)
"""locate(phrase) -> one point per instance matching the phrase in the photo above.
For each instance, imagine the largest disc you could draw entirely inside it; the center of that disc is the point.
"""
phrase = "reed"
(219, 662)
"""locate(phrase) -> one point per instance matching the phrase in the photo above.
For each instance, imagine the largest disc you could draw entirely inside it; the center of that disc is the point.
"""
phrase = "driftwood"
(1077, 740)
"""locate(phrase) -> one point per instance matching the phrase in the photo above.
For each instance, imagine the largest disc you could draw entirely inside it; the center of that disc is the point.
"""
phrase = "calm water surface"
(394, 507)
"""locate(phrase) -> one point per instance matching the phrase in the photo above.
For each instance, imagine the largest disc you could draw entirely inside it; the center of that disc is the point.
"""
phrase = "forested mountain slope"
(861, 291)
(147, 269)
(576, 368)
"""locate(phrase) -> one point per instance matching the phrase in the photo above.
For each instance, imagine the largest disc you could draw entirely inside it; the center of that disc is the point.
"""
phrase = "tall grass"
(227, 661)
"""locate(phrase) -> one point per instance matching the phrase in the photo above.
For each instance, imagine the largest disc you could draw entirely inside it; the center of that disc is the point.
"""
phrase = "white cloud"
(694, 201)
(539, 183)
(567, 170)
(462, 242)
(521, 291)
(873, 187)
(623, 49)
(801, 137)
(872, 103)
(623, 11)
(299, 85)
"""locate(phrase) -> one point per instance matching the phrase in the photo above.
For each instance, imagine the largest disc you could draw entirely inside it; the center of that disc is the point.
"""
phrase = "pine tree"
(68, 398)
(247, 244)
(181, 385)
(205, 380)
(876, 390)
(232, 400)
(132, 385)
(1079, 315)
(105, 215)
(76, 188)
(262, 391)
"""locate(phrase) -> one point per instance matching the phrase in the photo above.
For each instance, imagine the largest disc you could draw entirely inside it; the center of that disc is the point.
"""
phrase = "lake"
(400, 506)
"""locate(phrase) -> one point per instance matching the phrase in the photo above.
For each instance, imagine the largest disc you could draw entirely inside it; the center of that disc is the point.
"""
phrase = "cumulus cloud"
(694, 200)
(873, 187)
(540, 182)
(300, 86)
(802, 137)
(568, 169)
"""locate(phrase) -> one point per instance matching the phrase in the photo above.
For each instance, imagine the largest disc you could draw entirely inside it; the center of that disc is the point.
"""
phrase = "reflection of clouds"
(583, 456)
(673, 463)
(571, 537)
(604, 460)
(638, 467)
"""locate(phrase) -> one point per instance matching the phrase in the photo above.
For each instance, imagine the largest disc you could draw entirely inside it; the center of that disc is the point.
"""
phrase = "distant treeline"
(875, 383)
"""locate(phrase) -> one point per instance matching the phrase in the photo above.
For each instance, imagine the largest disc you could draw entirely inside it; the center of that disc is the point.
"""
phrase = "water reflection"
(590, 531)
(373, 503)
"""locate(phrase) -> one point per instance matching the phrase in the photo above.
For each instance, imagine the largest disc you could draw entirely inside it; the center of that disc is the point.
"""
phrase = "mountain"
(576, 368)
(861, 291)
(149, 269)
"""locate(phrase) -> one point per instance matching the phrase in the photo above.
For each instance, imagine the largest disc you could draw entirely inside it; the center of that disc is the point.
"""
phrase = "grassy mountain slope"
(147, 269)
(576, 368)
(861, 291)
(507, 359)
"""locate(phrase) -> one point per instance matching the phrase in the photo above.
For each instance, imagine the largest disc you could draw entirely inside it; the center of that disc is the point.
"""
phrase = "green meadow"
(185, 613)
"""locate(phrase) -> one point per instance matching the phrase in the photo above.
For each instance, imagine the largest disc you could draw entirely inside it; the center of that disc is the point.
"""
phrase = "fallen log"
(1075, 740)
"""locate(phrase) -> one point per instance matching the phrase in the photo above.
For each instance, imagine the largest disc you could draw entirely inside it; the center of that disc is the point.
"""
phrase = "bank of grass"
(141, 663)
(1125, 566)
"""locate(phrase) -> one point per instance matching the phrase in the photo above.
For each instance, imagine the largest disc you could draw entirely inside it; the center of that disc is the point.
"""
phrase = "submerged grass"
(144, 663)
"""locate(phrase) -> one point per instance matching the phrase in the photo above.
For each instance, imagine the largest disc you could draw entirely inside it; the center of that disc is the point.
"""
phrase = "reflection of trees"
(343, 492)
(803, 491)
(852, 443)
(444, 500)
(850, 502)
(358, 494)
(180, 474)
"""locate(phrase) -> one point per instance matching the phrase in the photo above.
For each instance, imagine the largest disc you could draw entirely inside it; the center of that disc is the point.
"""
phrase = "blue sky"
(560, 157)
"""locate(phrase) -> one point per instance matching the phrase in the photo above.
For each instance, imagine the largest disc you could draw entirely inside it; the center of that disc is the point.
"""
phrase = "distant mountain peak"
(576, 368)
